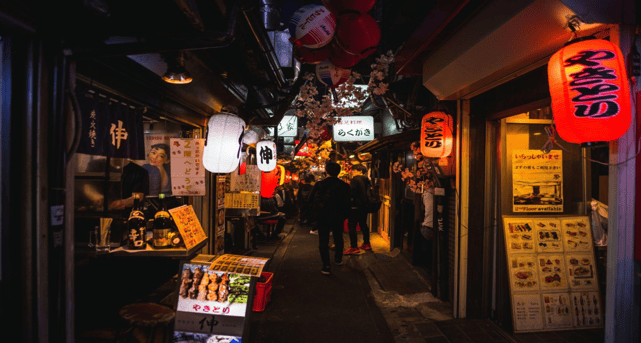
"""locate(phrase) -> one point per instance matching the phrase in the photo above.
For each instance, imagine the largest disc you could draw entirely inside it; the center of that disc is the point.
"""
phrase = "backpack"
(373, 199)
(320, 206)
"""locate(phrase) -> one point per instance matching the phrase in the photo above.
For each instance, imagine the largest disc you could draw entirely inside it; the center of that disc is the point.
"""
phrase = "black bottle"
(162, 226)
(136, 226)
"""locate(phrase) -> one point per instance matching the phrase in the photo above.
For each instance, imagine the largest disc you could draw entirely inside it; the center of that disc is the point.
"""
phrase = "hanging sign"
(288, 126)
(590, 91)
(248, 182)
(187, 172)
(537, 181)
(266, 155)
(436, 135)
(354, 128)
(188, 225)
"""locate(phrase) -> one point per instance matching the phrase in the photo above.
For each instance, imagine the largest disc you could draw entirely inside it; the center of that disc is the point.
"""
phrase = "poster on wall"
(248, 182)
(219, 247)
(187, 172)
(158, 162)
(537, 181)
(558, 267)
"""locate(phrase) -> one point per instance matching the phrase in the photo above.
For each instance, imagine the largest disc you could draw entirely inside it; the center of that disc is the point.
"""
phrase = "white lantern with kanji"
(266, 155)
(224, 143)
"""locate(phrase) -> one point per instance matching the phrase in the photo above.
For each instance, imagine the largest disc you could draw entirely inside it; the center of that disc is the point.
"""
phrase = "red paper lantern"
(436, 135)
(358, 36)
(590, 92)
(349, 8)
(268, 182)
(312, 56)
(341, 58)
(243, 168)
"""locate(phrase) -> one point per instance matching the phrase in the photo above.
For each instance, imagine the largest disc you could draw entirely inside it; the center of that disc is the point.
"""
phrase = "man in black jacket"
(333, 210)
(358, 213)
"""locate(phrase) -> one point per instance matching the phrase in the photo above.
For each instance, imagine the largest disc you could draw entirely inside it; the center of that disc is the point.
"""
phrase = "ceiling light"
(351, 156)
(176, 72)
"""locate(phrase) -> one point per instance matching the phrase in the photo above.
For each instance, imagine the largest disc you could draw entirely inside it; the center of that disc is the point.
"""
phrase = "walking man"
(330, 206)
(358, 214)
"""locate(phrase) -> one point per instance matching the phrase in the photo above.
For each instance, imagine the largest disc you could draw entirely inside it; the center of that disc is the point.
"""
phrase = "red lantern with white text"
(590, 92)
(436, 135)
(268, 182)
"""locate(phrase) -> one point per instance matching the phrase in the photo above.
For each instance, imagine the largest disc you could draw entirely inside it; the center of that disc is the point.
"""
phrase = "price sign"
(188, 225)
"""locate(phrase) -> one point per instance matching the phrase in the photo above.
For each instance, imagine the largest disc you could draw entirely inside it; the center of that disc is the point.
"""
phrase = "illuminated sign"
(288, 127)
(354, 128)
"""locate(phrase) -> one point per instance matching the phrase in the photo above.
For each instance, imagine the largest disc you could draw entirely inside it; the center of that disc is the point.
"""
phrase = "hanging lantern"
(436, 135)
(341, 58)
(349, 8)
(331, 75)
(266, 155)
(295, 177)
(312, 56)
(268, 182)
(242, 168)
(223, 143)
(312, 26)
(358, 36)
(281, 174)
(590, 92)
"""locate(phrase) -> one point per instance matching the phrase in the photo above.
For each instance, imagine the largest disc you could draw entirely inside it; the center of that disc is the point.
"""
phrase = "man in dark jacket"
(333, 211)
(358, 213)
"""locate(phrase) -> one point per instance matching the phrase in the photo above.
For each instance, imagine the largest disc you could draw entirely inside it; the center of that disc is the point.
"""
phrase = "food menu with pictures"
(552, 272)
(587, 309)
(252, 266)
(520, 237)
(527, 312)
(581, 271)
(523, 272)
(557, 313)
(564, 264)
(577, 234)
(548, 235)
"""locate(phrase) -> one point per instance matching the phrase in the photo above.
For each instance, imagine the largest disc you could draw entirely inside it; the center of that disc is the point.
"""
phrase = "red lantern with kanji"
(268, 182)
(436, 135)
(358, 36)
(349, 8)
(590, 92)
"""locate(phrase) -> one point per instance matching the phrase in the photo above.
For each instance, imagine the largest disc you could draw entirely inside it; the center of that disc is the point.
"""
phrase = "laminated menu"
(587, 309)
(581, 271)
(577, 234)
(548, 235)
(188, 225)
(527, 312)
(520, 237)
(558, 312)
(552, 272)
(523, 273)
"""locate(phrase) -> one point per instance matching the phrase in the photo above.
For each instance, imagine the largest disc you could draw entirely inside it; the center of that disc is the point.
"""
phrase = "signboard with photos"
(354, 128)
(552, 271)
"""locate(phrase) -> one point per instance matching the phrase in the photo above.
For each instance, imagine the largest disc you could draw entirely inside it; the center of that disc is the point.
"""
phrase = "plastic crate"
(263, 292)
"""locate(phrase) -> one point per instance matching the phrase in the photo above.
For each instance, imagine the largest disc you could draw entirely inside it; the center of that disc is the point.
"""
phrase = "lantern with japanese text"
(266, 155)
(312, 26)
(358, 36)
(223, 143)
(436, 135)
(589, 90)
(331, 75)
(349, 8)
(268, 182)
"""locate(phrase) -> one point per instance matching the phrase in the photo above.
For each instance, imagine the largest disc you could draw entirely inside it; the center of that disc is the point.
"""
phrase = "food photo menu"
(553, 276)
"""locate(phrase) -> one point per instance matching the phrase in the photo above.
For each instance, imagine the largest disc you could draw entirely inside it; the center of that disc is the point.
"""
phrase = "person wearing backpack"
(330, 204)
(358, 214)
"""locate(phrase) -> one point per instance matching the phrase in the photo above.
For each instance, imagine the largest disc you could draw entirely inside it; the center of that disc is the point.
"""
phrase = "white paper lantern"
(223, 144)
(266, 155)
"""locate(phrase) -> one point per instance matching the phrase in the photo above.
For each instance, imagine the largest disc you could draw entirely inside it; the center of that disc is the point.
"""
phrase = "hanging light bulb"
(176, 72)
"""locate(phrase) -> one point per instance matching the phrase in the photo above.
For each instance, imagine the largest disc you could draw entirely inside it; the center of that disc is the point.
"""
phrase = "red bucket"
(263, 292)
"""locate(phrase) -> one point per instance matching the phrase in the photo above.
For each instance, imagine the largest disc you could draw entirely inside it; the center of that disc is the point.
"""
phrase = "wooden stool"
(271, 225)
(147, 315)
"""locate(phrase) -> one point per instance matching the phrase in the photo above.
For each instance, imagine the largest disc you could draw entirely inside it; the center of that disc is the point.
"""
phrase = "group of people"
(329, 203)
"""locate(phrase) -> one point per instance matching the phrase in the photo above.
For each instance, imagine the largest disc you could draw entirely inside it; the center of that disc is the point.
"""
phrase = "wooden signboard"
(552, 270)
(188, 225)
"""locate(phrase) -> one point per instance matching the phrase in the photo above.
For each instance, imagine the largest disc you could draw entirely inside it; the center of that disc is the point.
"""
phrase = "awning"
(400, 141)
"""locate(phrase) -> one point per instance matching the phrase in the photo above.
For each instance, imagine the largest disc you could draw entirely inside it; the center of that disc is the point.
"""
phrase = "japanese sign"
(188, 225)
(354, 128)
(252, 266)
(537, 180)
(266, 155)
(288, 126)
(248, 182)
(547, 264)
(187, 172)
(221, 182)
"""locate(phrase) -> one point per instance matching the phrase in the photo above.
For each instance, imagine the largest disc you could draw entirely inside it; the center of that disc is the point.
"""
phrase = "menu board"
(242, 200)
(252, 266)
(248, 182)
(549, 260)
(187, 171)
(558, 314)
(188, 225)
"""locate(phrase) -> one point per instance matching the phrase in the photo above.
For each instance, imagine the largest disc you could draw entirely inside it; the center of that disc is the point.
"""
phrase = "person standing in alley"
(358, 214)
(304, 190)
(330, 206)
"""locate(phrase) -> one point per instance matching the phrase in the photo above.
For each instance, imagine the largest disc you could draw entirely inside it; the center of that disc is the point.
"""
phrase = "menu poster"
(527, 312)
(188, 225)
(552, 272)
(587, 309)
(248, 182)
(220, 215)
(187, 171)
(252, 266)
(548, 235)
(581, 271)
(577, 235)
(523, 273)
(557, 313)
(520, 237)
(537, 179)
